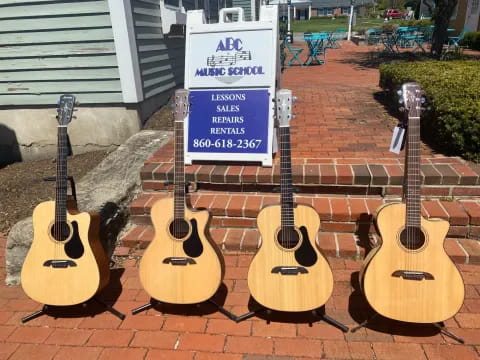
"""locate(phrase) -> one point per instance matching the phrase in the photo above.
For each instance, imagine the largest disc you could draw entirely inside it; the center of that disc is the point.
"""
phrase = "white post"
(288, 24)
(350, 22)
(126, 49)
(294, 12)
(309, 11)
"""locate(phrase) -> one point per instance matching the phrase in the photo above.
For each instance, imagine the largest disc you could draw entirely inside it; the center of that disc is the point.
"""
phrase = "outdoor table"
(316, 47)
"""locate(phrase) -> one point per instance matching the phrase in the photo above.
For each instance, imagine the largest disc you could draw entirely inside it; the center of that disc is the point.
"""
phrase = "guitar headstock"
(412, 98)
(284, 101)
(65, 109)
(181, 105)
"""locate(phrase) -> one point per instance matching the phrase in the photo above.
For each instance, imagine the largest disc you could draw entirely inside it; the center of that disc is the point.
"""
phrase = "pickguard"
(193, 246)
(305, 254)
(74, 248)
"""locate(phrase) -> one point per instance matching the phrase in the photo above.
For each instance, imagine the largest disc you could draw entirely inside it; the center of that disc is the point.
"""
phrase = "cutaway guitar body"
(182, 265)
(297, 279)
(422, 285)
(410, 276)
(66, 263)
(64, 272)
(180, 271)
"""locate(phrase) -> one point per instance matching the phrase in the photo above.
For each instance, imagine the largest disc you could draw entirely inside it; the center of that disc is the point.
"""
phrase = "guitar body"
(73, 284)
(420, 301)
(180, 284)
(300, 292)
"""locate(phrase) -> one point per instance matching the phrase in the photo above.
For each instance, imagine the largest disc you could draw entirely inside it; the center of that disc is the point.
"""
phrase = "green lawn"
(329, 24)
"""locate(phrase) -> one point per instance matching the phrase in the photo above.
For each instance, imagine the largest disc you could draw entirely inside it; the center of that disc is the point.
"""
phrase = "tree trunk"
(443, 12)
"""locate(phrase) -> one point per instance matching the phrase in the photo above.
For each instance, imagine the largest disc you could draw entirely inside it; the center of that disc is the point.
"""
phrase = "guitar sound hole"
(60, 231)
(179, 228)
(412, 238)
(288, 238)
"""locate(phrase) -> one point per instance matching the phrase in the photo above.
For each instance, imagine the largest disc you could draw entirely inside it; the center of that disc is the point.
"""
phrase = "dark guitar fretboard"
(286, 189)
(61, 183)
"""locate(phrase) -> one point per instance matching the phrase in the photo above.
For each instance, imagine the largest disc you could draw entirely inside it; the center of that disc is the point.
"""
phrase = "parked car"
(394, 14)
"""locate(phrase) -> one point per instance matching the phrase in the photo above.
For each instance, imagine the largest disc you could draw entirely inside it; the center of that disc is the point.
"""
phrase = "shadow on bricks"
(365, 239)
(304, 317)
(201, 309)
(108, 295)
(360, 311)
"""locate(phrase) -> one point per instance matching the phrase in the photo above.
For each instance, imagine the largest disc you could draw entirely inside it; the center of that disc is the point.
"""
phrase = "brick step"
(441, 176)
(342, 245)
(338, 214)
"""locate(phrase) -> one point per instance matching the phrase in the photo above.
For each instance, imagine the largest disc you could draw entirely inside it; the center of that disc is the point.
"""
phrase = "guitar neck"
(179, 173)
(286, 178)
(61, 179)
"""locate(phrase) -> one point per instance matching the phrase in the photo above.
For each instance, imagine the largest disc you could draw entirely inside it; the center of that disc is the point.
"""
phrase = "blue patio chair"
(373, 36)
(294, 52)
(454, 41)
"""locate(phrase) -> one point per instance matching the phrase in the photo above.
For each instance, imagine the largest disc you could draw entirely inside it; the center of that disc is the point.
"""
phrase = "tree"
(441, 16)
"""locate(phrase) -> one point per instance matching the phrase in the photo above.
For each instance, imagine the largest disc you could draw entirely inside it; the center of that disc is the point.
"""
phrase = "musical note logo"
(228, 60)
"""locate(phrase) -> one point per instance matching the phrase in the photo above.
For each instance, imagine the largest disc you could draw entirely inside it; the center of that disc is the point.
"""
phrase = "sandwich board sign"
(231, 72)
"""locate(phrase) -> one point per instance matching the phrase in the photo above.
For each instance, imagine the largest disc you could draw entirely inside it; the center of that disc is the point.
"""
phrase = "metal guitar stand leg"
(250, 314)
(448, 333)
(145, 307)
(224, 311)
(330, 320)
(34, 315)
(363, 323)
(110, 309)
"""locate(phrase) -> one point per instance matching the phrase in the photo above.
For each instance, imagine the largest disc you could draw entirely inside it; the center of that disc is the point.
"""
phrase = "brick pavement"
(335, 105)
(191, 332)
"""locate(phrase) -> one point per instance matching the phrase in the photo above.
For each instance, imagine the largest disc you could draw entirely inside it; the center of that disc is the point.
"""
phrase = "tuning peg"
(422, 100)
(172, 106)
(402, 109)
(294, 98)
(294, 116)
(399, 92)
(400, 101)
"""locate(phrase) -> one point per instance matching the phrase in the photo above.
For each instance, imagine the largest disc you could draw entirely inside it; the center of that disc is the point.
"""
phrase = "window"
(173, 3)
(345, 10)
(330, 11)
(475, 4)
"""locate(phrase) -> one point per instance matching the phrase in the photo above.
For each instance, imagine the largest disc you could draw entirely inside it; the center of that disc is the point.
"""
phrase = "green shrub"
(452, 90)
(413, 22)
(389, 28)
(472, 40)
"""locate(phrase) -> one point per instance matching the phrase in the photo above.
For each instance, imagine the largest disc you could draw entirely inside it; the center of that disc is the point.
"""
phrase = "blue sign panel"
(228, 121)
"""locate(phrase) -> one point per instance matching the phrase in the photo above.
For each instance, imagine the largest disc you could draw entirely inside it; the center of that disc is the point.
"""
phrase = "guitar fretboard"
(61, 183)
(179, 173)
(412, 164)
(286, 189)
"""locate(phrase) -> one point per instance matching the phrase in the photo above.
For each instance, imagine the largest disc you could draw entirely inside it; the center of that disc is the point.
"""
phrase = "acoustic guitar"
(289, 273)
(410, 277)
(66, 264)
(182, 265)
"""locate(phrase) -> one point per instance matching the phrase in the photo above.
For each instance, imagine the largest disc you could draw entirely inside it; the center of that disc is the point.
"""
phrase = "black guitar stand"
(320, 313)
(154, 302)
(440, 325)
(46, 307)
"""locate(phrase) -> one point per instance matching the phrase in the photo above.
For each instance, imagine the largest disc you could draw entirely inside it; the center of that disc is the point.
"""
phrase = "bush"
(389, 28)
(413, 22)
(452, 90)
(472, 40)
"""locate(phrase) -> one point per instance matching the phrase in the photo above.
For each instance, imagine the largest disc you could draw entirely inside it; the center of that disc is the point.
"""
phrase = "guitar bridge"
(289, 270)
(59, 264)
(182, 261)
(413, 275)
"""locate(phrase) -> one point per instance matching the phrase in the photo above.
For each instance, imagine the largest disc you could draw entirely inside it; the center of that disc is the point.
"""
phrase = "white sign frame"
(196, 27)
